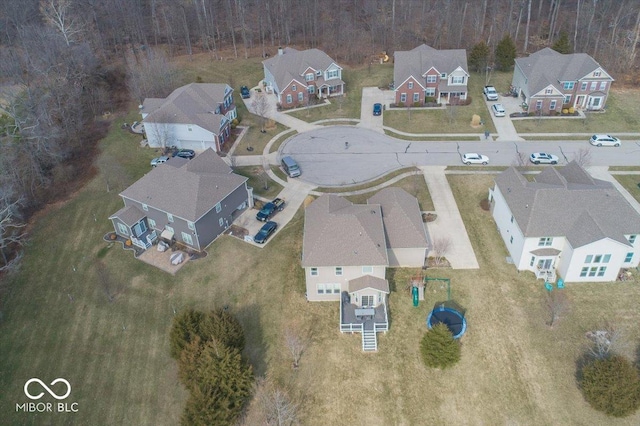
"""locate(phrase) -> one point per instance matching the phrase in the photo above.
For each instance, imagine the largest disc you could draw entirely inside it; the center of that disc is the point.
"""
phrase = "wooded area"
(67, 61)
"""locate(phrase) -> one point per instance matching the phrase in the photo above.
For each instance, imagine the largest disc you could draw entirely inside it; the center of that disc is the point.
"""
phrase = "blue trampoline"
(453, 319)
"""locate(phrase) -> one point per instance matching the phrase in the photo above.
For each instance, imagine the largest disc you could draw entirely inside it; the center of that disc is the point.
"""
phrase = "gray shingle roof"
(419, 60)
(194, 103)
(567, 201)
(548, 67)
(189, 190)
(339, 233)
(293, 63)
(129, 215)
(402, 219)
(368, 281)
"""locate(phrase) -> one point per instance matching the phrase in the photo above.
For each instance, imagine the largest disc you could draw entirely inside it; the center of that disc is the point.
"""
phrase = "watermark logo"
(47, 407)
(52, 393)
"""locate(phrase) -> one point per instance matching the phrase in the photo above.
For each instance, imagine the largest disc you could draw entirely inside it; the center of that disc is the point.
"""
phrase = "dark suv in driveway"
(184, 153)
(377, 109)
(244, 92)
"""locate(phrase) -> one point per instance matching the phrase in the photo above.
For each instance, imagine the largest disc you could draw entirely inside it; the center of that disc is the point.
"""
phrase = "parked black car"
(270, 209)
(184, 153)
(244, 92)
(264, 233)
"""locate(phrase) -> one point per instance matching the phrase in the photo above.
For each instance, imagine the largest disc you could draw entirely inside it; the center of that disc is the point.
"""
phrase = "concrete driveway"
(504, 126)
(370, 96)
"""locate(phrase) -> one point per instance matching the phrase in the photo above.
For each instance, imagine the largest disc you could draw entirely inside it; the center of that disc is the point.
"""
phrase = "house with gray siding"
(549, 81)
(565, 223)
(296, 75)
(189, 201)
(347, 248)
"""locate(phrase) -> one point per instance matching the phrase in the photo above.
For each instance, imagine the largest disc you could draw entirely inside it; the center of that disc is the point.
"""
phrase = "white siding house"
(565, 223)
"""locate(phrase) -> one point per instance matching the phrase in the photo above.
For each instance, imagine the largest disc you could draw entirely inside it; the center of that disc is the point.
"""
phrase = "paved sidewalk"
(602, 173)
(275, 115)
(449, 223)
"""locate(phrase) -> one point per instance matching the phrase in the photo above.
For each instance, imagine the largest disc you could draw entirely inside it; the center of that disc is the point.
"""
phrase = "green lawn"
(630, 183)
(257, 140)
(622, 115)
(355, 78)
(276, 145)
(258, 180)
(366, 185)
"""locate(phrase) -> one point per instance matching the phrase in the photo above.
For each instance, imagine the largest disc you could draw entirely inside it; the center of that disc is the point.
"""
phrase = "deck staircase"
(369, 340)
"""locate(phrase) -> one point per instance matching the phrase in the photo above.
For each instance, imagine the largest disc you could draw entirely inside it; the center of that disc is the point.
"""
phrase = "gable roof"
(403, 226)
(129, 215)
(368, 281)
(292, 63)
(567, 201)
(340, 233)
(419, 60)
(548, 67)
(186, 188)
(194, 103)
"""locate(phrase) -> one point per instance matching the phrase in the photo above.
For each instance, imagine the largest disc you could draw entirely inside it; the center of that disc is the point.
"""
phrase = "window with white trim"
(601, 271)
(597, 73)
(289, 98)
(170, 217)
(629, 257)
(568, 85)
(632, 238)
(300, 96)
(313, 272)
(169, 228)
(432, 78)
(548, 91)
(538, 105)
(308, 77)
(592, 271)
(338, 271)
(567, 99)
(583, 86)
(545, 241)
(186, 237)
(218, 208)
(328, 288)
(552, 105)
(416, 97)
(583, 272)
(221, 221)
(443, 75)
(603, 85)
(594, 85)
(152, 223)
(511, 240)
(431, 91)
(123, 229)
(311, 89)
(410, 85)
(189, 128)
(511, 218)
(367, 300)
(532, 261)
(294, 88)
(403, 97)
(457, 80)
(367, 269)
(318, 73)
(588, 259)
(191, 226)
(332, 74)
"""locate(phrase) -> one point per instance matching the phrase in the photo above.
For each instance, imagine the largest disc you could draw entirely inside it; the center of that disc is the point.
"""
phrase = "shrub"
(565, 111)
(234, 123)
(438, 347)
(572, 110)
(416, 104)
(430, 99)
(128, 243)
(611, 385)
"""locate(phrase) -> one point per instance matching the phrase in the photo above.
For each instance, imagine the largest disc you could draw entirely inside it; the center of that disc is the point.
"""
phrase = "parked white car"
(474, 158)
(491, 93)
(604, 140)
(543, 158)
(159, 160)
(498, 110)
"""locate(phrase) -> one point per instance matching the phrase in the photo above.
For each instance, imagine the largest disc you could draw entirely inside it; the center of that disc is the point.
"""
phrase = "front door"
(594, 102)
(580, 101)
(545, 263)
(139, 228)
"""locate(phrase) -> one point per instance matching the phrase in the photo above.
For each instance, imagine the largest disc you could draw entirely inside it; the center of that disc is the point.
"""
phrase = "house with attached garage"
(191, 202)
(425, 72)
(347, 248)
(549, 81)
(565, 223)
(296, 75)
(197, 116)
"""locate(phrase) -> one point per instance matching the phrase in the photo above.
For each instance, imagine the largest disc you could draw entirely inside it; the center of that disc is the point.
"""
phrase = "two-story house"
(549, 81)
(188, 201)
(296, 75)
(427, 73)
(347, 248)
(196, 116)
(565, 223)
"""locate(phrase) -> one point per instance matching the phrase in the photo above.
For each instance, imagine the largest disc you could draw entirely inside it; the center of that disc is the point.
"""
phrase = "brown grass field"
(57, 321)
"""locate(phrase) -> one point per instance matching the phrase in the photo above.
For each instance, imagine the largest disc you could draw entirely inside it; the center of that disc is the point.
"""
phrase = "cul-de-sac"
(282, 213)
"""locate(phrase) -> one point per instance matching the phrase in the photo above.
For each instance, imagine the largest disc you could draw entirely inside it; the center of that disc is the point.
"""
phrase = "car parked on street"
(184, 153)
(604, 140)
(498, 110)
(264, 233)
(270, 209)
(159, 160)
(475, 158)
(377, 109)
(244, 92)
(543, 158)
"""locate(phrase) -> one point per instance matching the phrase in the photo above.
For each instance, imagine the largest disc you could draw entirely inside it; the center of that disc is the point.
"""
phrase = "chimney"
(280, 50)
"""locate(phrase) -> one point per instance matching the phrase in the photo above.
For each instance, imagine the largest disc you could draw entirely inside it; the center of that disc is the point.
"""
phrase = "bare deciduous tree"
(583, 157)
(261, 108)
(11, 234)
(441, 246)
(275, 404)
(296, 340)
(151, 75)
(57, 13)
(605, 341)
(557, 303)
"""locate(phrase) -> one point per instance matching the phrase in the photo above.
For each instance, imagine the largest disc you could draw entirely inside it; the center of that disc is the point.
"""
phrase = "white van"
(290, 167)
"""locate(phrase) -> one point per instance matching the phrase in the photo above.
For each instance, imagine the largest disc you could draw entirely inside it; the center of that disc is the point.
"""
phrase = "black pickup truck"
(270, 209)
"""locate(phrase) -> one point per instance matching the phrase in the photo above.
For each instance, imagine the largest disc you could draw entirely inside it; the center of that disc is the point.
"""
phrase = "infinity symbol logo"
(52, 393)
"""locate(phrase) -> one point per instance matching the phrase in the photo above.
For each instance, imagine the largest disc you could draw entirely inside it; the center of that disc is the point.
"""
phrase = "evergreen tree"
(505, 53)
(223, 327)
(185, 327)
(562, 45)
(611, 385)
(479, 57)
(438, 347)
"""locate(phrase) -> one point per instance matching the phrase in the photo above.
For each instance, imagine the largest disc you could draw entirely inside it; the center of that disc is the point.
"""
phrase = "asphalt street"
(340, 155)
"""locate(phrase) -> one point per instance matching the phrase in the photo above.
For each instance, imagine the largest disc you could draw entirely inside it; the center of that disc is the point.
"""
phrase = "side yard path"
(602, 172)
